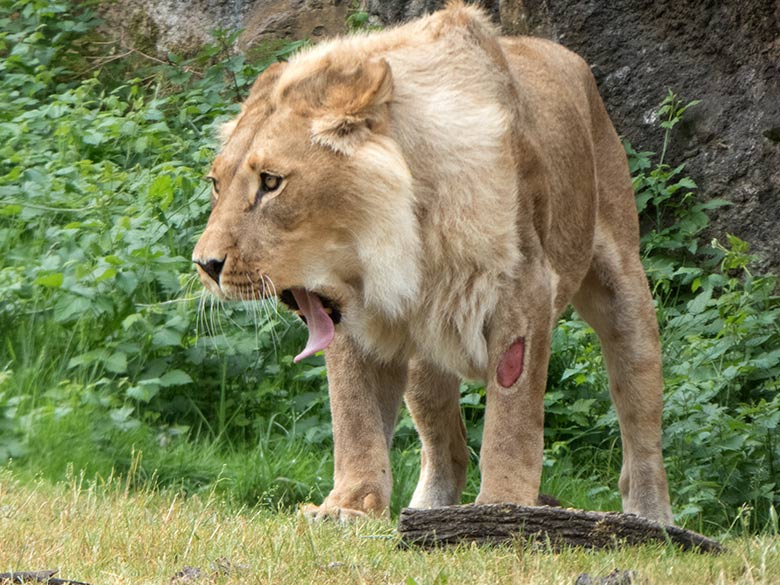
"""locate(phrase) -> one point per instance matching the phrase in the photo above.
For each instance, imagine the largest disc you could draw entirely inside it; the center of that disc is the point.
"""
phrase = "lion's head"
(312, 199)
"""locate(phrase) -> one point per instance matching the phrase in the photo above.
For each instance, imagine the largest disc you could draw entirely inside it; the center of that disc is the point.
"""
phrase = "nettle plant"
(101, 199)
(721, 327)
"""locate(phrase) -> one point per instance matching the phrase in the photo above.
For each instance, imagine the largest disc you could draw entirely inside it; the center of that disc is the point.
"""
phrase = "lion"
(430, 198)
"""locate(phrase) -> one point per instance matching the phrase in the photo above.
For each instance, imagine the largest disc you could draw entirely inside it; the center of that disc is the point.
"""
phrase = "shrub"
(101, 200)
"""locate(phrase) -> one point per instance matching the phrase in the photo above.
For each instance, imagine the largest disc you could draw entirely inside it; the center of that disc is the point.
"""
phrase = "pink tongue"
(321, 329)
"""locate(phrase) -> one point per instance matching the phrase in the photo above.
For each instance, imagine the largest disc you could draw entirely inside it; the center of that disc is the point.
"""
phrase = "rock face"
(394, 11)
(726, 54)
(183, 26)
(294, 19)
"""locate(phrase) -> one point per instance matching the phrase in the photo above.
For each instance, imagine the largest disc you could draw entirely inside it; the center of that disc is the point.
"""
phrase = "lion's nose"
(212, 267)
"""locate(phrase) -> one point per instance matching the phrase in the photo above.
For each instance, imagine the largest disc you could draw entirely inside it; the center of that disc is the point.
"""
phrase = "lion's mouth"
(320, 314)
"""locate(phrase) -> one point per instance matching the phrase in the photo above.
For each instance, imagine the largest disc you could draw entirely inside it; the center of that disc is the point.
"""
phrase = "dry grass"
(106, 532)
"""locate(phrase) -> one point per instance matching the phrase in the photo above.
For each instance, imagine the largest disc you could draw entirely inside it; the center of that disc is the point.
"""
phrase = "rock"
(188, 575)
(616, 577)
(294, 19)
(402, 10)
(727, 56)
(46, 576)
(183, 26)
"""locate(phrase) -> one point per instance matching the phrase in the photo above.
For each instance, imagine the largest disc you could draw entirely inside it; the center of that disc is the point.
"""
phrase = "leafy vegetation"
(113, 361)
(101, 199)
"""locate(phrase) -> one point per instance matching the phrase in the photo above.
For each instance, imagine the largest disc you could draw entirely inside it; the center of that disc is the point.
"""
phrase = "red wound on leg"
(511, 365)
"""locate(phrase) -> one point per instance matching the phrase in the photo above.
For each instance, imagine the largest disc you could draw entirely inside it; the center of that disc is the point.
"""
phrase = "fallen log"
(559, 527)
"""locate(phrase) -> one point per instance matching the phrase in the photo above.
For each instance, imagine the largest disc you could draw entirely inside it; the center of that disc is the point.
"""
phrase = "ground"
(107, 531)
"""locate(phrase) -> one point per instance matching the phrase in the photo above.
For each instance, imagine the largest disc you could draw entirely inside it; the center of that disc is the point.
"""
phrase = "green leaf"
(119, 415)
(161, 188)
(107, 274)
(470, 399)
(114, 260)
(70, 308)
(700, 301)
(582, 405)
(11, 209)
(714, 204)
(87, 358)
(166, 338)
(143, 392)
(94, 137)
(131, 320)
(52, 280)
(175, 378)
(116, 362)
(641, 201)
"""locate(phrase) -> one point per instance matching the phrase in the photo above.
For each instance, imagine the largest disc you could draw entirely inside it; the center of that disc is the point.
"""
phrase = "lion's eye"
(268, 184)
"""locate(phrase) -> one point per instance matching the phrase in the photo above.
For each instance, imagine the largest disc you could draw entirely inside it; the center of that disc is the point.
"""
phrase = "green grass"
(281, 470)
(114, 531)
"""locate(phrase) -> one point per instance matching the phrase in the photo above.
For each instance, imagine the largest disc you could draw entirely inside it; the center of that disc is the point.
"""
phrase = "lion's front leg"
(513, 439)
(365, 397)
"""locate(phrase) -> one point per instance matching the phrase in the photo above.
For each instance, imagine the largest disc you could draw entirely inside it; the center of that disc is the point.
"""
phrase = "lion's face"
(311, 199)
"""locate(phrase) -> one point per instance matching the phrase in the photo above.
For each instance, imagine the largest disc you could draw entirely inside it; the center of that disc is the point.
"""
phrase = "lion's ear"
(354, 105)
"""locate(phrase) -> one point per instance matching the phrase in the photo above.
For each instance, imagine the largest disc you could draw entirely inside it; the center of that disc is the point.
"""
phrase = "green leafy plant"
(101, 200)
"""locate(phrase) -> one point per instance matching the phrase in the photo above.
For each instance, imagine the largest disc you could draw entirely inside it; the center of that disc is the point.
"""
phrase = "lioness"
(430, 198)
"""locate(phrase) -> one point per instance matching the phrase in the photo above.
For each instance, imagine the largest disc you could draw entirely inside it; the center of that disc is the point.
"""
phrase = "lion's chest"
(447, 330)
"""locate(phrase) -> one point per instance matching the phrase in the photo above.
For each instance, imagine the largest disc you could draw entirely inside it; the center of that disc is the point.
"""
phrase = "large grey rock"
(294, 19)
(726, 54)
(183, 26)
(399, 11)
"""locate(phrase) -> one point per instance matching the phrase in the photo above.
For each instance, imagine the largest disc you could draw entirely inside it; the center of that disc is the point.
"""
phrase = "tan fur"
(452, 191)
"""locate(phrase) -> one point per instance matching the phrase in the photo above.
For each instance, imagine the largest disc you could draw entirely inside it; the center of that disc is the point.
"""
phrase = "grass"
(281, 469)
(112, 531)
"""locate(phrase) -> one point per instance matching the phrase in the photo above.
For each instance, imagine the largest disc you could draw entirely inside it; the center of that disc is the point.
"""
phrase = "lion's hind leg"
(433, 399)
(616, 301)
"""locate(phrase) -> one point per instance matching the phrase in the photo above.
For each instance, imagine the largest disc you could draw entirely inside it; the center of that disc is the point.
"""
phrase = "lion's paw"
(347, 507)
(317, 513)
